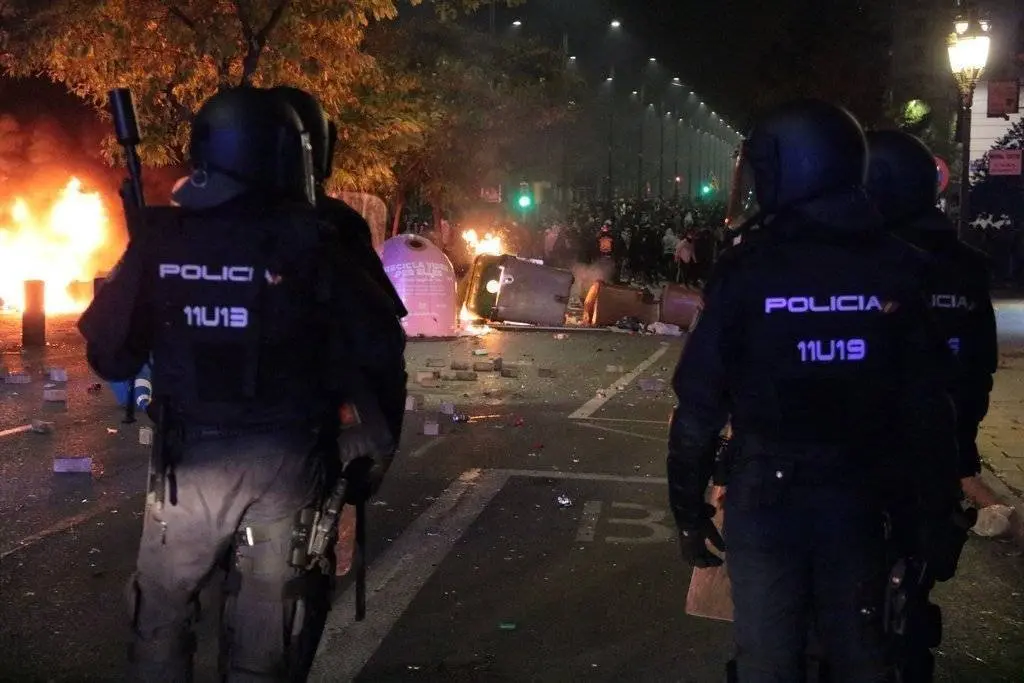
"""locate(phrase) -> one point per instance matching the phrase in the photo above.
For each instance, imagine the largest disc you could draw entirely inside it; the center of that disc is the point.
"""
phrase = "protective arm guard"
(114, 326)
(700, 386)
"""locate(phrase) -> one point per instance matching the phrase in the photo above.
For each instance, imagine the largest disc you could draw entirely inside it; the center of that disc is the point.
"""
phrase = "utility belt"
(196, 433)
(798, 464)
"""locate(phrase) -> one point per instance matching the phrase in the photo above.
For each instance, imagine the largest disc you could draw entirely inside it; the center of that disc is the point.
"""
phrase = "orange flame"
(469, 326)
(490, 244)
(58, 249)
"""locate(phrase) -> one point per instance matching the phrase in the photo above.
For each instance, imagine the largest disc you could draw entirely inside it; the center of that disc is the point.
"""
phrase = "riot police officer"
(354, 237)
(243, 311)
(902, 181)
(815, 341)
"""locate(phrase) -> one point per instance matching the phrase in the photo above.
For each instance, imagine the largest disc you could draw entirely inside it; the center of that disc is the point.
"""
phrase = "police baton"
(126, 129)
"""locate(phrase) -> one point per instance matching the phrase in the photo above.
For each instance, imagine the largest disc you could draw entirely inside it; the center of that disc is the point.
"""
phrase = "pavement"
(532, 542)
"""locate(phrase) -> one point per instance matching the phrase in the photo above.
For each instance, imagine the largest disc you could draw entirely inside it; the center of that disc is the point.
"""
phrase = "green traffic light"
(706, 189)
(525, 201)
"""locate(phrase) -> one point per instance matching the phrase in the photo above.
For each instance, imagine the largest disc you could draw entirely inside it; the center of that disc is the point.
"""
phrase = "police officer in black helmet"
(902, 181)
(239, 304)
(815, 341)
(354, 239)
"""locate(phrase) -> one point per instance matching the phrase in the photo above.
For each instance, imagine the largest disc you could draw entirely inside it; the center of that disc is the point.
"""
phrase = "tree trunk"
(397, 220)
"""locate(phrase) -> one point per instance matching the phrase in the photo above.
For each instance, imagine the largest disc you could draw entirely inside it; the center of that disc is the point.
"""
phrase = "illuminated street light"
(517, 23)
(616, 23)
(652, 59)
(968, 47)
(572, 59)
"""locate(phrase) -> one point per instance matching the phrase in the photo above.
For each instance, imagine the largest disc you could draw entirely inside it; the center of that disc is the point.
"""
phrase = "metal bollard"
(33, 317)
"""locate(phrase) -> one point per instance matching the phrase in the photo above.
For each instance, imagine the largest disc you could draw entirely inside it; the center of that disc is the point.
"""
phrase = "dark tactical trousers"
(224, 486)
(809, 558)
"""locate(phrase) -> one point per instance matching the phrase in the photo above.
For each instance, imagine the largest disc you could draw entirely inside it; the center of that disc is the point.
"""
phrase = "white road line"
(588, 521)
(397, 576)
(16, 430)
(425, 448)
(663, 423)
(582, 476)
(592, 406)
(648, 437)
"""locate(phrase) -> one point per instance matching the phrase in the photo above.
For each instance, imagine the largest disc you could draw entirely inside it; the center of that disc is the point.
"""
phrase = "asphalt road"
(532, 543)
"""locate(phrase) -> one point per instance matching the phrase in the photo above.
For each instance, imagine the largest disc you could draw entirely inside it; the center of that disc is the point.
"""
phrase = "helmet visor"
(742, 200)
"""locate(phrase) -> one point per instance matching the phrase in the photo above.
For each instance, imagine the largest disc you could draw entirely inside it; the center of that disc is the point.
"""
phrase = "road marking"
(582, 476)
(588, 522)
(423, 449)
(398, 575)
(663, 423)
(652, 521)
(103, 505)
(659, 439)
(16, 430)
(594, 404)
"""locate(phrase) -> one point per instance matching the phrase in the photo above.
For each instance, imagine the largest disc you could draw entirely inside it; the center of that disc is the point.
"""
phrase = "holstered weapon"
(126, 129)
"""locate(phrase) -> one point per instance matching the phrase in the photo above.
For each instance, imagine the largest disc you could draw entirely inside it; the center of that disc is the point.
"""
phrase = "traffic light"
(705, 189)
(524, 200)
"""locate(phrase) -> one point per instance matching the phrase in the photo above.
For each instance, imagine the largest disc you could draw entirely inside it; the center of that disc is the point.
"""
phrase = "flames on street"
(490, 243)
(59, 244)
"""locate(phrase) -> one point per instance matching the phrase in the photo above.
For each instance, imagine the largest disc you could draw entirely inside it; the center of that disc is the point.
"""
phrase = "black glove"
(364, 476)
(693, 542)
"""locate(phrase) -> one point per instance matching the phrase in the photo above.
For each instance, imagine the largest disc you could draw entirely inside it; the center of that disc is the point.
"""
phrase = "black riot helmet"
(321, 130)
(903, 178)
(254, 138)
(801, 151)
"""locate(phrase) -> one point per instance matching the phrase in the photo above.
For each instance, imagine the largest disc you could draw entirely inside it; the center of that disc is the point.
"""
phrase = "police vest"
(240, 315)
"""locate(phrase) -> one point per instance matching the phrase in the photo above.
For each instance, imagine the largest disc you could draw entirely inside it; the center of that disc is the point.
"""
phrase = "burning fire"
(469, 324)
(491, 243)
(58, 248)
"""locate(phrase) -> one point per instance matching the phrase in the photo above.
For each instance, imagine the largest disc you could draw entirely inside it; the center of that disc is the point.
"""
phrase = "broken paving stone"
(58, 375)
(460, 365)
(146, 436)
(615, 369)
(447, 408)
(42, 427)
(498, 363)
(483, 366)
(413, 403)
(55, 395)
(18, 378)
(431, 383)
(431, 428)
(545, 372)
(510, 371)
(426, 375)
(463, 376)
(437, 363)
(72, 465)
(449, 375)
(652, 384)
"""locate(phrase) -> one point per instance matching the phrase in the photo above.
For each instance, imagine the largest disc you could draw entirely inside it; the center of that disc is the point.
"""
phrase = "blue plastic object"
(143, 389)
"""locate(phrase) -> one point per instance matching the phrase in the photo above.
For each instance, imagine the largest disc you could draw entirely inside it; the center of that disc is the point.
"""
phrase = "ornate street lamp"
(968, 53)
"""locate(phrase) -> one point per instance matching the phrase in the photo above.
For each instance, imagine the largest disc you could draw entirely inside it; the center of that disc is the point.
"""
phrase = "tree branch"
(181, 16)
(255, 42)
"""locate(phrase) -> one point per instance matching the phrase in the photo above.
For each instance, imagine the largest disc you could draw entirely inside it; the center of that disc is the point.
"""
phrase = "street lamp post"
(968, 53)
(675, 174)
(640, 152)
(661, 160)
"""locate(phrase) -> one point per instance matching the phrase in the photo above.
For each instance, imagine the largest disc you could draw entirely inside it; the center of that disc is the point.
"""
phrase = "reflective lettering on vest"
(952, 301)
(216, 316)
(207, 273)
(605, 245)
(845, 303)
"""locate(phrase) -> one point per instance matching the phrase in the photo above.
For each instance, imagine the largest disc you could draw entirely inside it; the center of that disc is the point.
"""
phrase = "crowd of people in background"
(649, 241)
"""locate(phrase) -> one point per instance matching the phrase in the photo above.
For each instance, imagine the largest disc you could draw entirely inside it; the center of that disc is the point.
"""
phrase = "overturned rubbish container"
(531, 292)
(425, 280)
(484, 283)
